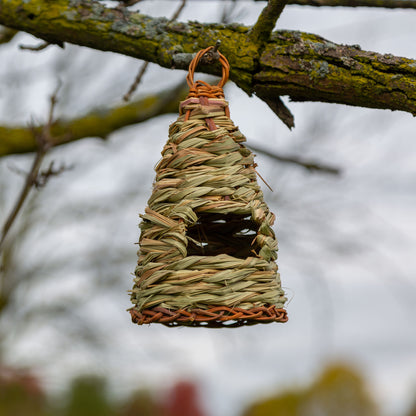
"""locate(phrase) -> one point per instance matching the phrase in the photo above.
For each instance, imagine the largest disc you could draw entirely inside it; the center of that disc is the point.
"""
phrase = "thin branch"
(143, 68)
(137, 81)
(37, 48)
(128, 3)
(41, 46)
(266, 22)
(260, 34)
(44, 176)
(178, 11)
(307, 164)
(98, 123)
(227, 12)
(280, 109)
(29, 183)
(388, 4)
(44, 143)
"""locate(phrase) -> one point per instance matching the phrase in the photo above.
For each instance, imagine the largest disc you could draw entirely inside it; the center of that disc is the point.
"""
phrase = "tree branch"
(309, 68)
(137, 81)
(44, 143)
(145, 65)
(279, 108)
(99, 123)
(36, 48)
(310, 165)
(300, 65)
(266, 22)
(389, 4)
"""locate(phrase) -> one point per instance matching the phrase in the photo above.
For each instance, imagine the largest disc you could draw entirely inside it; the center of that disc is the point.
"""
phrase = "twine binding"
(207, 250)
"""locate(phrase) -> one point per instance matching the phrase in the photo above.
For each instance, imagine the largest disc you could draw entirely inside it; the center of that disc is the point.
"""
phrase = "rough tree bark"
(300, 65)
(303, 66)
(389, 4)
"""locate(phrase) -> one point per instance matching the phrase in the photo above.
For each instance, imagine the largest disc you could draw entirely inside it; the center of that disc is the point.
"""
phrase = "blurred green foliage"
(21, 394)
(140, 403)
(88, 396)
(339, 391)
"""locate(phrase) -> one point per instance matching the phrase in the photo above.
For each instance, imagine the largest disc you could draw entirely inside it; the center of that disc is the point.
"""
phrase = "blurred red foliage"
(183, 401)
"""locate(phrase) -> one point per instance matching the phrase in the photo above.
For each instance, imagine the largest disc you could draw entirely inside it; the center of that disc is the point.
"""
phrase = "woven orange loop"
(203, 90)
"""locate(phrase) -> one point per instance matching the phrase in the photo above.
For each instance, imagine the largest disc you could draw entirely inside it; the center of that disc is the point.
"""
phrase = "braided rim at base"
(214, 317)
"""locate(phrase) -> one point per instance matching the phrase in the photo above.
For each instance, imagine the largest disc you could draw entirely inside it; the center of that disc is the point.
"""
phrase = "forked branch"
(301, 65)
(44, 143)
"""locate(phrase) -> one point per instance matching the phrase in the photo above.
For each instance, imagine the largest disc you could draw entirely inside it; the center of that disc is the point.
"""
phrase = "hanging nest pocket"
(207, 250)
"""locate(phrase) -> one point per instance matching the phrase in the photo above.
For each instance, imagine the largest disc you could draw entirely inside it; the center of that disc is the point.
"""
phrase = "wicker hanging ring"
(201, 91)
(192, 67)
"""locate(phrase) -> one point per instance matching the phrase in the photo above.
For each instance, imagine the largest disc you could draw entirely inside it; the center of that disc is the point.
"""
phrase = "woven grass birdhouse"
(207, 250)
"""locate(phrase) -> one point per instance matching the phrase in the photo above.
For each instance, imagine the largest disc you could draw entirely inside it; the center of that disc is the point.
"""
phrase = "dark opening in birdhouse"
(215, 234)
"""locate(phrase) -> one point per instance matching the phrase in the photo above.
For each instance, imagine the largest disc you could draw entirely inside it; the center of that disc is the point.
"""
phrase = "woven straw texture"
(207, 250)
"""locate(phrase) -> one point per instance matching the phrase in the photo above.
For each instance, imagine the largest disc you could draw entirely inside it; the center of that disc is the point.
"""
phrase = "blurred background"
(347, 244)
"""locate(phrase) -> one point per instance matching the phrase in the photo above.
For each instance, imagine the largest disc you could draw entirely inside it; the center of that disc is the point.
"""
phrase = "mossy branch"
(266, 22)
(388, 4)
(300, 65)
(99, 123)
(309, 68)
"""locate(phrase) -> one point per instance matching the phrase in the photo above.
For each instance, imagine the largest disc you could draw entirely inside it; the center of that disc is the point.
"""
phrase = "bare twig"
(227, 11)
(44, 143)
(41, 46)
(144, 66)
(37, 48)
(44, 176)
(260, 33)
(280, 109)
(17, 170)
(29, 183)
(307, 164)
(128, 3)
(137, 81)
(178, 11)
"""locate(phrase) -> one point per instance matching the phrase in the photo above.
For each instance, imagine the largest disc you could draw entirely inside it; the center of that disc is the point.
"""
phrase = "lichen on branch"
(300, 65)
(266, 22)
(388, 4)
(309, 68)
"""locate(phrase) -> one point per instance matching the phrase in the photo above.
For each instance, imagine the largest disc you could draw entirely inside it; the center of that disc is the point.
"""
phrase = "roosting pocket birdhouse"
(207, 250)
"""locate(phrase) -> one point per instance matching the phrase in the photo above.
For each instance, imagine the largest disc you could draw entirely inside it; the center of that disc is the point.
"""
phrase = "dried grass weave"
(207, 250)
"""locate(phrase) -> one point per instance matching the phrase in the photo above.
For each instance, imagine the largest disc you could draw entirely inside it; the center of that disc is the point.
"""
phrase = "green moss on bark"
(302, 65)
